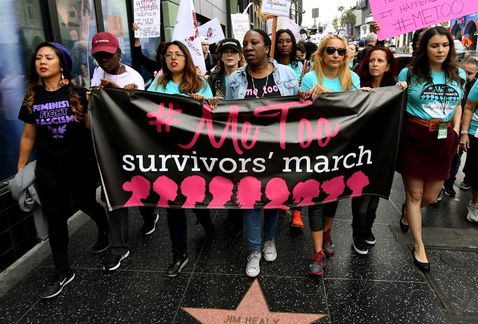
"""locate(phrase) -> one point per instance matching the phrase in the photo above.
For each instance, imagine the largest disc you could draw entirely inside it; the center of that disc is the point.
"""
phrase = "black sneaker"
(179, 262)
(115, 261)
(102, 243)
(370, 239)
(449, 191)
(149, 227)
(56, 286)
(360, 246)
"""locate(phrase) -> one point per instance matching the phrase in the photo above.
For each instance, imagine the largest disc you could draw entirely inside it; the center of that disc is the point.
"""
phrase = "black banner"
(171, 151)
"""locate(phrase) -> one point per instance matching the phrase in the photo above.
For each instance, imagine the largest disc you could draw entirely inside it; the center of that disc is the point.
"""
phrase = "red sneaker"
(297, 219)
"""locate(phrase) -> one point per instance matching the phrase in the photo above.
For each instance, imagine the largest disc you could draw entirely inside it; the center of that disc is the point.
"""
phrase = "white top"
(129, 76)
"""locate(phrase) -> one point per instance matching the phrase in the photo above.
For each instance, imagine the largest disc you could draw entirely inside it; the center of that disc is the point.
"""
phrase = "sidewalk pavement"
(382, 287)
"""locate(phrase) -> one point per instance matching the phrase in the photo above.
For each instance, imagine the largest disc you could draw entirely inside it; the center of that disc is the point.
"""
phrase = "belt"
(432, 124)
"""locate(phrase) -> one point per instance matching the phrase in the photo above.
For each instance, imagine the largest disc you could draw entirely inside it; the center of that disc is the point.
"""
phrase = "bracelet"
(464, 132)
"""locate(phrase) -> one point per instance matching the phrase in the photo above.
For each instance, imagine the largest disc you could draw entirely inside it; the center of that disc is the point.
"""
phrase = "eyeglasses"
(331, 50)
(170, 56)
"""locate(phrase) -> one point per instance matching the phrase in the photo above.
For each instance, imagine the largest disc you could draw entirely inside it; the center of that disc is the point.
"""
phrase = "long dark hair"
(389, 76)
(293, 53)
(34, 80)
(191, 82)
(420, 67)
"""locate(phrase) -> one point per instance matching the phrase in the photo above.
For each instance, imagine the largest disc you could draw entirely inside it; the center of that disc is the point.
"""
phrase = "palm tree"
(348, 20)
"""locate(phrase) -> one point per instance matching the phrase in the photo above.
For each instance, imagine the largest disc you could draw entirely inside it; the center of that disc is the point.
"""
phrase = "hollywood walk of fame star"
(252, 309)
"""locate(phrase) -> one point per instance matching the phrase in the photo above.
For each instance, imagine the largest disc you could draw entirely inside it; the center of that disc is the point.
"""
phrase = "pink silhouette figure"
(167, 190)
(305, 191)
(248, 192)
(194, 189)
(139, 188)
(334, 188)
(357, 182)
(277, 192)
(221, 190)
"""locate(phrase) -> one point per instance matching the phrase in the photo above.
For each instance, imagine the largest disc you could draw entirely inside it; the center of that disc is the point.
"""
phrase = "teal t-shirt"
(473, 96)
(173, 88)
(436, 100)
(310, 80)
(297, 69)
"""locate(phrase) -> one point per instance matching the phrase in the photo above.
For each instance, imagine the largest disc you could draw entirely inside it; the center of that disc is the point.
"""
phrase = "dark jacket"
(217, 82)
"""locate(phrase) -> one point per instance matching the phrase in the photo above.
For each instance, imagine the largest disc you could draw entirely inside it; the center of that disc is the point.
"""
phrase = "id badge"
(442, 131)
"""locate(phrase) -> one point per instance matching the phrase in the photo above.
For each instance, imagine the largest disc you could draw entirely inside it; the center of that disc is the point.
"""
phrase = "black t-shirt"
(58, 136)
(257, 88)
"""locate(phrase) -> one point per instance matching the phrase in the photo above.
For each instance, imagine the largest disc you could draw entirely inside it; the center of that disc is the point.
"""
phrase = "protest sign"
(276, 7)
(147, 14)
(171, 151)
(212, 30)
(240, 25)
(397, 17)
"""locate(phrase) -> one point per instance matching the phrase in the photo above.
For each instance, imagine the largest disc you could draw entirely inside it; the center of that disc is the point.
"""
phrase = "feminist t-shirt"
(58, 135)
(473, 96)
(259, 88)
(436, 99)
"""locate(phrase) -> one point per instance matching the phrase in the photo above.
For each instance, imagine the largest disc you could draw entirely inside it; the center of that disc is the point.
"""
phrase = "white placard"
(186, 31)
(147, 14)
(276, 7)
(212, 30)
(240, 25)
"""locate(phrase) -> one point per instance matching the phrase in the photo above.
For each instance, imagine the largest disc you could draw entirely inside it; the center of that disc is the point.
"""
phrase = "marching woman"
(55, 123)
(430, 131)
(260, 77)
(330, 73)
(286, 51)
(179, 77)
(377, 69)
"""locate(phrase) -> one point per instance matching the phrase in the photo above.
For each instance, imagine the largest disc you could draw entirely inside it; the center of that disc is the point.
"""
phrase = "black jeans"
(119, 225)
(364, 211)
(59, 187)
(317, 213)
(178, 229)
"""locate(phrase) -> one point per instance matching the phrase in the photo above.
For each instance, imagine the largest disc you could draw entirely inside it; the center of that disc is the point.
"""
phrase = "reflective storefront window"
(21, 31)
(77, 27)
(116, 22)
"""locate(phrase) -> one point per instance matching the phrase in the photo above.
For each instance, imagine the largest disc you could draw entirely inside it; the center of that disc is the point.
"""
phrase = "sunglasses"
(331, 50)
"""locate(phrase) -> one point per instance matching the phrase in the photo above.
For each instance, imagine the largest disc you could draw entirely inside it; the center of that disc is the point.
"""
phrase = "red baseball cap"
(104, 42)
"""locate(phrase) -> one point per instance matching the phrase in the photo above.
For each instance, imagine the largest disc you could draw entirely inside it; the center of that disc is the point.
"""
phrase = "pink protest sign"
(397, 17)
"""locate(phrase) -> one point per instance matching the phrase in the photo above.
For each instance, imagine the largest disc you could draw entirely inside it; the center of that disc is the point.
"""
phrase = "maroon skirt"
(422, 155)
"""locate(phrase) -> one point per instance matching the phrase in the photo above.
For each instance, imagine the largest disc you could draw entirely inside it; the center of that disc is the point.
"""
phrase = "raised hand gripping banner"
(170, 151)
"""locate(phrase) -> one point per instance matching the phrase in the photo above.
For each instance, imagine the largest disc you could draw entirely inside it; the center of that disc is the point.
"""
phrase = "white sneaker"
(253, 264)
(269, 251)
(472, 215)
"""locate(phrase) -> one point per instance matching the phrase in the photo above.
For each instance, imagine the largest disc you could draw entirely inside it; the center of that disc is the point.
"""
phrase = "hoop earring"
(63, 81)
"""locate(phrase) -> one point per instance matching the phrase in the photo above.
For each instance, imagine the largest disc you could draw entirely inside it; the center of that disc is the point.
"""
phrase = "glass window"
(21, 31)
(77, 27)
(116, 22)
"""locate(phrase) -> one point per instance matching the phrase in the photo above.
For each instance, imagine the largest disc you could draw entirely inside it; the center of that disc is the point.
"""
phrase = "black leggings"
(59, 187)
(317, 213)
(364, 211)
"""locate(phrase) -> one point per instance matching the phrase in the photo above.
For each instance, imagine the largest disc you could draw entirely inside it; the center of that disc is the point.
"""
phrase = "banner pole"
(274, 30)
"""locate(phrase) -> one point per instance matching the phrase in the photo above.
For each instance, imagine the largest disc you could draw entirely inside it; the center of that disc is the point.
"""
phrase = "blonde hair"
(344, 74)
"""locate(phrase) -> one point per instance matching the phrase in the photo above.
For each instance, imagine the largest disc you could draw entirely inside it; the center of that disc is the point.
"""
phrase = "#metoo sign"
(398, 17)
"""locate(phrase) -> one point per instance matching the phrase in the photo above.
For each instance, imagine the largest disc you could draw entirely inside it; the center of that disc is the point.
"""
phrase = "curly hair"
(344, 74)
(420, 66)
(389, 76)
(33, 81)
(191, 83)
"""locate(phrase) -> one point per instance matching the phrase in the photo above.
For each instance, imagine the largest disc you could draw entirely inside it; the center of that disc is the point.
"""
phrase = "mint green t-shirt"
(310, 80)
(435, 100)
(473, 96)
(173, 88)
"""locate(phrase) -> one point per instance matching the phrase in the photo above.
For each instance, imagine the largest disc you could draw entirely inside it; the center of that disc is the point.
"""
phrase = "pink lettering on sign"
(397, 17)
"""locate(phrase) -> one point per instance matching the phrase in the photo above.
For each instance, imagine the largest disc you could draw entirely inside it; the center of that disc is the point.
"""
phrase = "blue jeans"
(252, 226)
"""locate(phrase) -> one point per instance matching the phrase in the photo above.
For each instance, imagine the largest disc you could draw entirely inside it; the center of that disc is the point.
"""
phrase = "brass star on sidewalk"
(253, 309)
